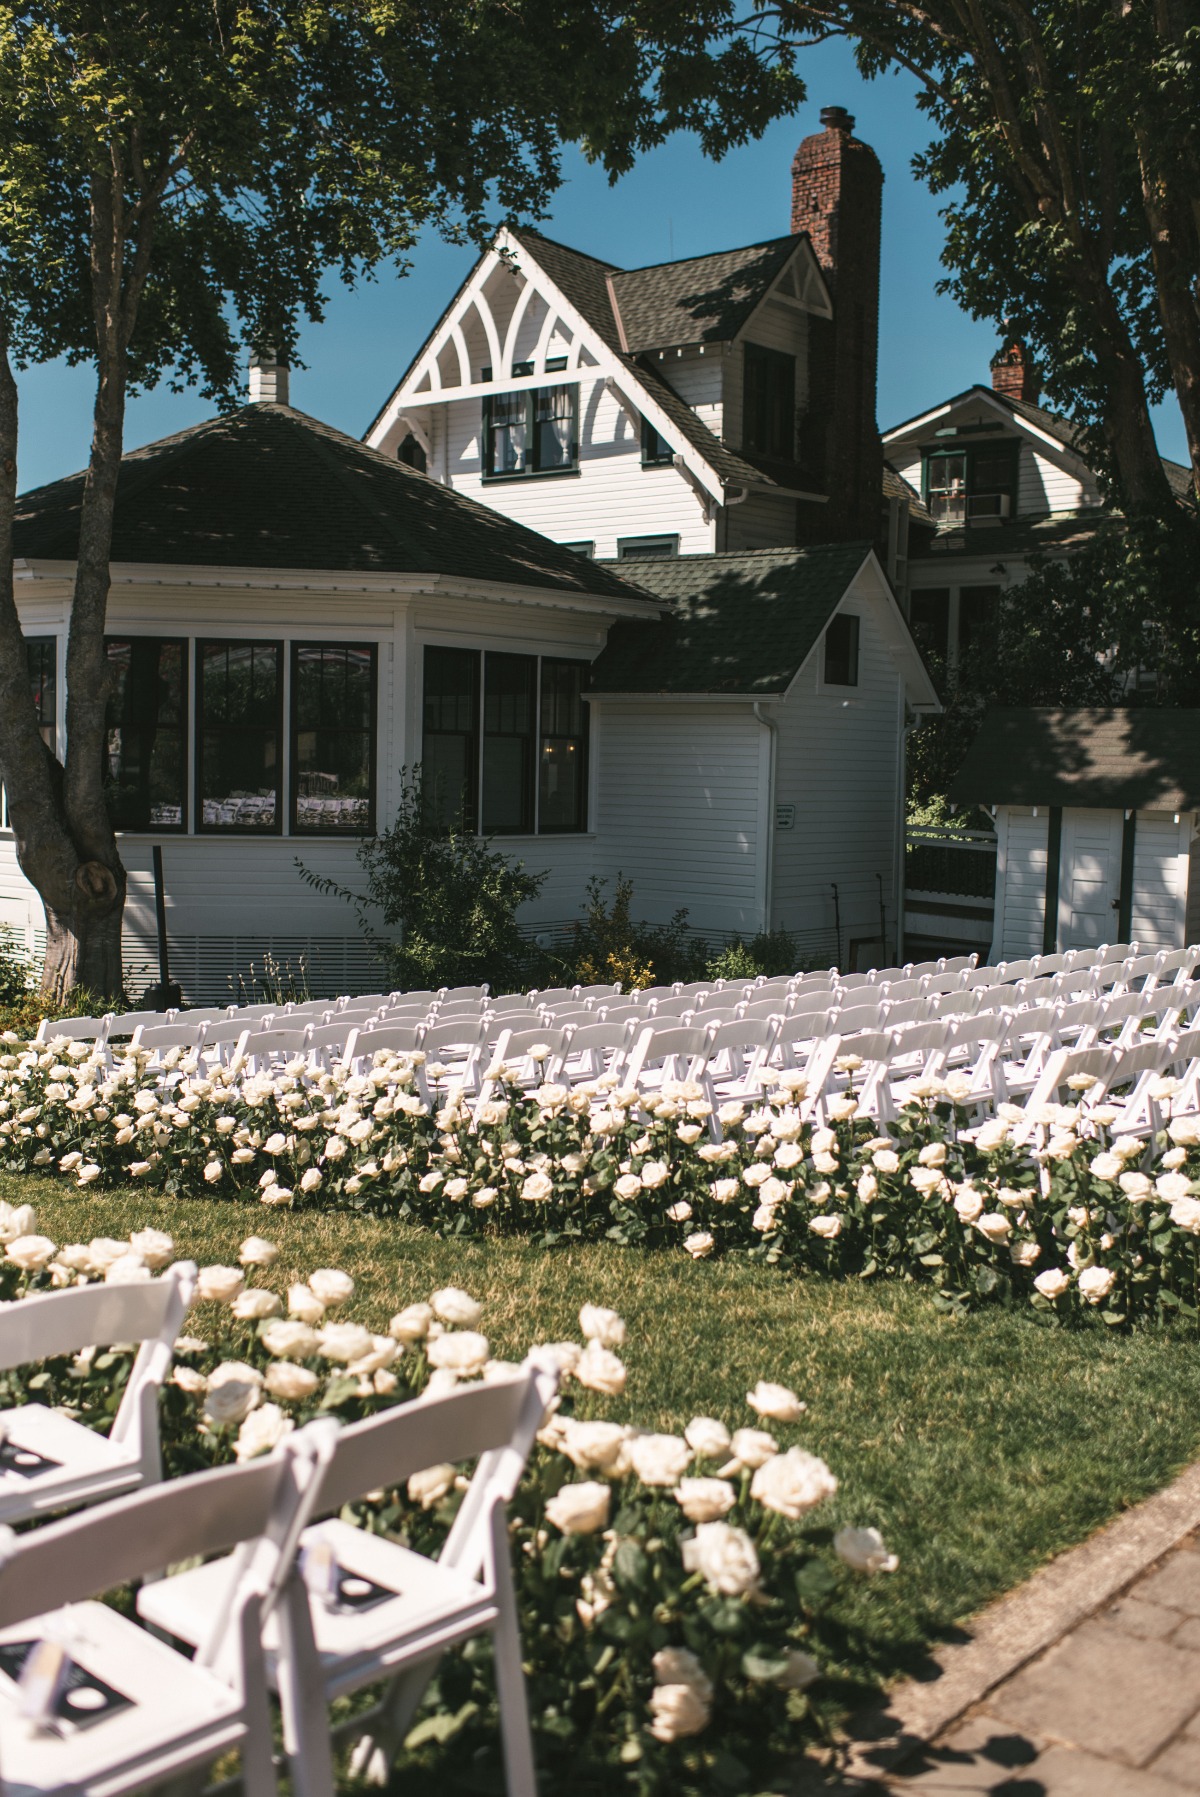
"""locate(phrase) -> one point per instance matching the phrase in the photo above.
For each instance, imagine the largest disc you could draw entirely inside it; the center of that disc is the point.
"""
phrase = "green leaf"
(630, 1567)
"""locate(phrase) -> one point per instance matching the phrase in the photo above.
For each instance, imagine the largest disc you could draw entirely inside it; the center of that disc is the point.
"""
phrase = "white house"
(1096, 826)
(295, 617)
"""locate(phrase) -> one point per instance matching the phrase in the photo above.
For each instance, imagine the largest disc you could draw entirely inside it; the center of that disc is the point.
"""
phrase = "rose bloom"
(345, 1341)
(628, 1187)
(155, 1247)
(31, 1252)
(724, 1191)
(1025, 1254)
(233, 1389)
(724, 1557)
(705, 1500)
(429, 1487)
(579, 1509)
(261, 1431)
(678, 1711)
(658, 1459)
(679, 1212)
(599, 1325)
(1095, 1283)
(537, 1188)
(219, 1285)
(412, 1323)
(924, 1180)
(700, 1245)
(1185, 1212)
(189, 1380)
(679, 1666)
(864, 1550)
(1185, 1131)
(255, 1251)
(1052, 1283)
(827, 1227)
(994, 1225)
(868, 1187)
(290, 1340)
(707, 1437)
(253, 1306)
(295, 1383)
(777, 1403)
(1105, 1166)
(886, 1160)
(793, 1483)
(933, 1154)
(304, 1305)
(592, 1447)
(452, 1305)
(752, 1448)
(330, 1285)
(464, 1353)
(967, 1203)
(600, 1370)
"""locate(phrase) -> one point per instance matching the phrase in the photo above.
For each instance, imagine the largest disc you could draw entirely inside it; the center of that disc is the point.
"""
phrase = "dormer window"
(769, 402)
(535, 431)
(656, 451)
(976, 485)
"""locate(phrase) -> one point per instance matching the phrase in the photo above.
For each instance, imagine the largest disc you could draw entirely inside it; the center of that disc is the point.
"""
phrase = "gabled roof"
(1137, 759)
(742, 622)
(896, 487)
(270, 487)
(704, 299)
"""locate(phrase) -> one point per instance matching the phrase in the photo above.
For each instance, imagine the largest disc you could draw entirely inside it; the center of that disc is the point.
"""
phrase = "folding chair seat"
(598, 1048)
(323, 1645)
(132, 1713)
(47, 1460)
(73, 1029)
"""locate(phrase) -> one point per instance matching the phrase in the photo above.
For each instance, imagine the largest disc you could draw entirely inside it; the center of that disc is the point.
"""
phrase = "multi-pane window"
(769, 402)
(535, 431)
(239, 735)
(41, 654)
(841, 650)
(656, 451)
(145, 749)
(333, 737)
(505, 742)
(972, 485)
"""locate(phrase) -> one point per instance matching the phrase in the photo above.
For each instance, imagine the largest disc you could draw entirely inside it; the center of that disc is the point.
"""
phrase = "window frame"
(970, 453)
(843, 686)
(186, 702)
(652, 436)
(584, 740)
(468, 820)
(530, 396)
(626, 544)
(296, 645)
(234, 831)
(768, 359)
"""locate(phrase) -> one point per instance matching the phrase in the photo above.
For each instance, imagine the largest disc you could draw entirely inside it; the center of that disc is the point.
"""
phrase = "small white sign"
(785, 817)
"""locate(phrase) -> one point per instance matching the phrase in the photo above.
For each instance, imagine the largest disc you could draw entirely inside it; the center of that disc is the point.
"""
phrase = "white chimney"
(268, 380)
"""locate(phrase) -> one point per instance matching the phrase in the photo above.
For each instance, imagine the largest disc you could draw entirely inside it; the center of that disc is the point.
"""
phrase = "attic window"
(972, 486)
(769, 402)
(656, 451)
(535, 431)
(841, 651)
(647, 549)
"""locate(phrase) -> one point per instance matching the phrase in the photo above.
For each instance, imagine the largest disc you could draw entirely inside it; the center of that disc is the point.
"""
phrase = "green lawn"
(980, 1446)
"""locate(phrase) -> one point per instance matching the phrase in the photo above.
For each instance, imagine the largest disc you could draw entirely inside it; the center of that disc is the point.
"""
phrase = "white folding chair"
(1141, 1068)
(1053, 1084)
(392, 1038)
(739, 1061)
(73, 1029)
(165, 1036)
(515, 1049)
(598, 1049)
(48, 1461)
(457, 1045)
(266, 1048)
(368, 1610)
(674, 1051)
(131, 1712)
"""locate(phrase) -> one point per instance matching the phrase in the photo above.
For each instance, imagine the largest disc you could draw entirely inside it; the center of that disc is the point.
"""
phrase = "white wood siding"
(1046, 481)
(1160, 880)
(611, 497)
(681, 788)
(1020, 882)
(699, 379)
(837, 764)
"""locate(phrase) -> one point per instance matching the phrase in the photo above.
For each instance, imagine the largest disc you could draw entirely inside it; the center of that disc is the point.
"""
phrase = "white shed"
(1096, 826)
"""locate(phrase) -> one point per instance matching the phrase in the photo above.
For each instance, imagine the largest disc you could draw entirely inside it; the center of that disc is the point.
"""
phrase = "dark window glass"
(239, 698)
(509, 685)
(946, 486)
(41, 654)
(411, 454)
(145, 758)
(769, 402)
(584, 549)
(841, 651)
(450, 741)
(964, 485)
(929, 616)
(532, 432)
(333, 737)
(656, 451)
(977, 608)
(647, 549)
(562, 768)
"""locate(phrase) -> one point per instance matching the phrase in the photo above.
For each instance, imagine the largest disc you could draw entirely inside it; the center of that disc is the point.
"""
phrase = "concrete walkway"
(1084, 1682)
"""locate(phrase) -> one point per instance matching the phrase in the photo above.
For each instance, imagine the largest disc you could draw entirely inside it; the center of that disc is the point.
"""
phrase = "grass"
(980, 1446)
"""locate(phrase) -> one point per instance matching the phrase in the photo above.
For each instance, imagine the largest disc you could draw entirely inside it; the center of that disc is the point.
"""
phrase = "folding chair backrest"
(921, 1038)
(778, 1006)
(678, 1005)
(466, 1032)
(1009, 971)
(217, 1033)
(958, 963)
(944, 982)
(555, 995)
(517, 1001)
(598, 991)
(330, 1035)
(909, 1010)
(463, 994)
(748, 1032)
(898, 990)
(274, 1043)
(954, 1003)
(993, 1026)
(52, 1323)
(127, 1023)
(518, 1044)
(173, 1035)
(859, 1017)
(850, 982)
(396, 1038)
(74, 1029)
(994, 998)
(872, 1045)
(606, 1036)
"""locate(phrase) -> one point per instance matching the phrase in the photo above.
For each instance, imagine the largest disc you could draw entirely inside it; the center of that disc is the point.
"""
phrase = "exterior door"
(1089, 891)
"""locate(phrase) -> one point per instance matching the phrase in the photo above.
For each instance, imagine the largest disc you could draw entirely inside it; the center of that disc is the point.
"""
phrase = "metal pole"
(160, 913)
(837, 925)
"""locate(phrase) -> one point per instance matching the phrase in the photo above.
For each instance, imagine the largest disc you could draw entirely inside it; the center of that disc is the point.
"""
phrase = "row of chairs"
(299, 1601)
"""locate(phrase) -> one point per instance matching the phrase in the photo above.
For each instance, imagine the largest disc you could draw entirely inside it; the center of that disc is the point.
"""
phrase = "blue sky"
(674, 203)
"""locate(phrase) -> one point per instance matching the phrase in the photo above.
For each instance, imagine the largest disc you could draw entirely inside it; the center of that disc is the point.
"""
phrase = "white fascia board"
(1012, 420)
(824, 309)
(406, 394)
(749, 700)
(916, 424)
(871, 583)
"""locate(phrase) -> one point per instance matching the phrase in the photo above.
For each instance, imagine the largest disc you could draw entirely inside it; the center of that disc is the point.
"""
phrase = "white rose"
(886, 1160)
(189, 1380)
(933, 1154)
(579, 1509)
(994, 1225)
(1095, 1283)
(257, 1252)
(31, 1252)
(991, 1135)
(707, 1437)
(311, 1178)
(254, 1306)
(752, 1447)
(924, 1180)
(658, 1459)
(217, 1285)
(383, 1351)
(724, 1557)
(700, 1245)
(304, 1305)
(677, 1711)
(290, 1340)
(233, 1390)
(776, 1402)
(1052, 1283)
(262, 1430)
(679, 1212)
(864, 1550)
(628, 1187)
(411, 1324)
(867, 1187)
(1185, 1213)
(1025, 1254)
(793, 1483)
(1105, 1166)
(131, 1269)
(593, 1446)
(429, 1487)
(536, 1188)
(679, 1666)
(724, 1191)
(655, 1174)
(705, 1500)
(104, 1249)
(295, 1383)
(842, 1109)
(345, 1341)
(16, 1220)
(464, 1353)
(600, 1370)
(330, 1285)
(827, 1227)
(1185, 1131)
(155, 1247)
(454, 1306)
(967, 1203)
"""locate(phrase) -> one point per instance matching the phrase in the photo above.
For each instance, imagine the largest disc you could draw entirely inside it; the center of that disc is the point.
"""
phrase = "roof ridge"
(733, 249)
(557, 242)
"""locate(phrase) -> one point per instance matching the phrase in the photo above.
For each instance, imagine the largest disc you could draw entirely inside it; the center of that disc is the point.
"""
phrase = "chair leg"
(375, 1751)
(302, 1696)
(519, 1771)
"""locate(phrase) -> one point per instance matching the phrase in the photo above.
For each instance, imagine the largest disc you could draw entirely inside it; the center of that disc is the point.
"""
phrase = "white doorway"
(1089, 889)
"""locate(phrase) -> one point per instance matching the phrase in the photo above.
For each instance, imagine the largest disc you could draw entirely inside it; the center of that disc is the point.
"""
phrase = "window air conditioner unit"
(989, 505)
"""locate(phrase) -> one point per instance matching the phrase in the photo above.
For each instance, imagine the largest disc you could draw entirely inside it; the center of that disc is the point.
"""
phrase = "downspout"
(772, 730)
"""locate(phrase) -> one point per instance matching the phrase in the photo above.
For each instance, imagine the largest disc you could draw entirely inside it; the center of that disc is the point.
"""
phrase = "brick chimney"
(1014, 373)
(837, 195)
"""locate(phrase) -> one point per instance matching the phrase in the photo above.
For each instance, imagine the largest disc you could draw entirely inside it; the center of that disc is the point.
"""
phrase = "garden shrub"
(768, 954)
(610, 947)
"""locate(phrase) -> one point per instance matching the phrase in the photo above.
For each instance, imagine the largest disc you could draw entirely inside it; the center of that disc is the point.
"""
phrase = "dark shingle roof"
(1137, 759)
(705, 299)
(739, 623)
(269, 487)
(896, 487)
